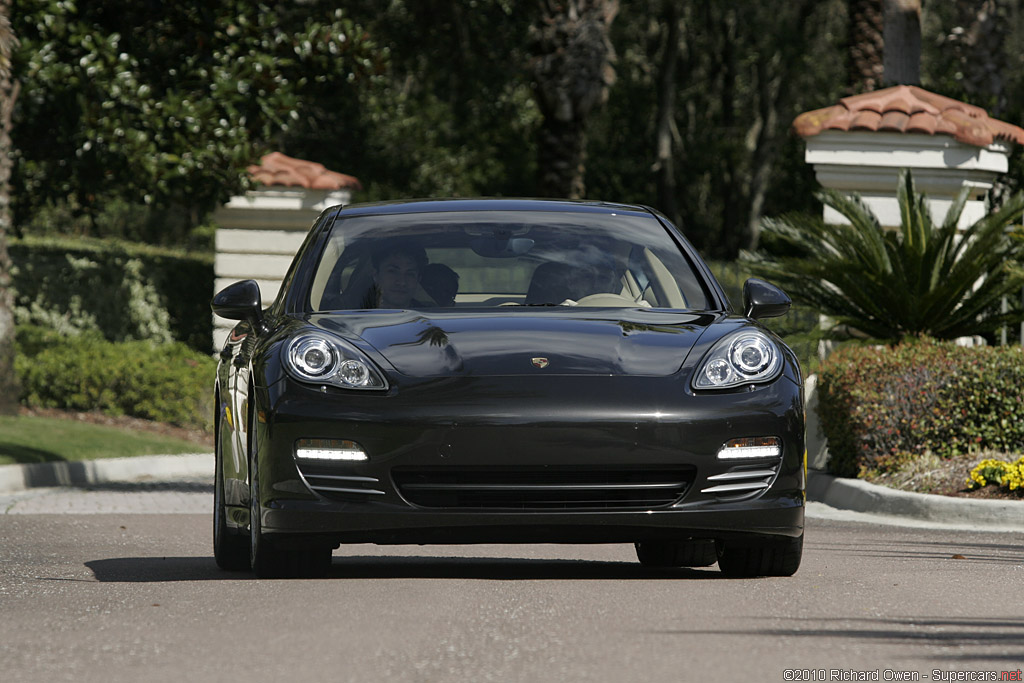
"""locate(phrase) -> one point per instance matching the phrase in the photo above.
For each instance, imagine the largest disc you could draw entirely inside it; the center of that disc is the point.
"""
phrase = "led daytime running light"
(329, 449)
(751, 447)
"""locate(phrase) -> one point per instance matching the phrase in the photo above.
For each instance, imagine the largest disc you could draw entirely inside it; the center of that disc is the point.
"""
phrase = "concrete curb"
(860, 496)
(142, 468)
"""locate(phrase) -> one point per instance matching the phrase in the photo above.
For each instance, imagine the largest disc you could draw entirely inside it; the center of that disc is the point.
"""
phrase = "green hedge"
(168, 383)
(122, 290)
(881, 407)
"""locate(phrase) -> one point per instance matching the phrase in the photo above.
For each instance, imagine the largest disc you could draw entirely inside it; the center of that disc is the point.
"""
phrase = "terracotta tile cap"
(278, 169)
(909, 109)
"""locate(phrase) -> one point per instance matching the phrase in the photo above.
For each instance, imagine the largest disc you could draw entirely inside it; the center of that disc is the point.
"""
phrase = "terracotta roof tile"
(278, 169)
(865, 120)
(894, 121)
(909, 109)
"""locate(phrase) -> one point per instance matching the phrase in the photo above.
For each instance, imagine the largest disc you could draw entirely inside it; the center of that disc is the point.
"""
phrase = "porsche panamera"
(506, 371)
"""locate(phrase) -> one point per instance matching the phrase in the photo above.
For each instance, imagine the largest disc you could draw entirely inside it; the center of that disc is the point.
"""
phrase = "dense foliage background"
(136, 116)
(133, 119)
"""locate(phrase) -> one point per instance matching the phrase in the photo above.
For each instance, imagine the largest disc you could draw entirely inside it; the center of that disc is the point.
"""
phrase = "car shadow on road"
(163, 569)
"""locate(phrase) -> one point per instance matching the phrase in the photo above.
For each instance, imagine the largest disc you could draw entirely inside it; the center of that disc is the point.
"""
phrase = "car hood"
(556, 341)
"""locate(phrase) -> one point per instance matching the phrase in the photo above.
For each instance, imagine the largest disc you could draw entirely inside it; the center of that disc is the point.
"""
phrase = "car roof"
(489, 204)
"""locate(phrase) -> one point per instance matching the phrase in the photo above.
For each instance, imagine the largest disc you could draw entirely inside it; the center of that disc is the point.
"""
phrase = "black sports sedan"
(506, 371)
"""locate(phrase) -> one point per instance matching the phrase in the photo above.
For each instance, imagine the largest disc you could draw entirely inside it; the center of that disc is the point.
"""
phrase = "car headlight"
(744, 357)
(319, 358)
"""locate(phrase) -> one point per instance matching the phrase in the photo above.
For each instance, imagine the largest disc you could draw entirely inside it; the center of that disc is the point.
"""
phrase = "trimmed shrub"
(881, 406)
(122, 290)
(165, 383)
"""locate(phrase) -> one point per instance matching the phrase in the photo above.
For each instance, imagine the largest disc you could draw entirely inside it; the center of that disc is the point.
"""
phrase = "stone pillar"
(861, 144)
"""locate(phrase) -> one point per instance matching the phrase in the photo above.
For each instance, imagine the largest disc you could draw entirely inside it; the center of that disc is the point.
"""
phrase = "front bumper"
(518, 435)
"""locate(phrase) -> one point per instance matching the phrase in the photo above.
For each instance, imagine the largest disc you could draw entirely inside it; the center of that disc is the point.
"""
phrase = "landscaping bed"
(945, 477)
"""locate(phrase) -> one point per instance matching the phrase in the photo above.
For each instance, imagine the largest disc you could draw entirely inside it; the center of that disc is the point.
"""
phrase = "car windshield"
(503, 258)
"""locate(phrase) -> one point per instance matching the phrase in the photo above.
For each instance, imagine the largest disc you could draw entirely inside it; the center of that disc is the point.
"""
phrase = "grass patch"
(29, 439)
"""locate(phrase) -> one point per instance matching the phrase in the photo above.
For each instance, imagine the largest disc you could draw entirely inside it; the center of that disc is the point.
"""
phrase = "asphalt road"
(108, 594)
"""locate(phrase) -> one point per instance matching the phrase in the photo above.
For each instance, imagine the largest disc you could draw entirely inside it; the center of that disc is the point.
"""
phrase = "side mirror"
(240, 301)
(764, 300)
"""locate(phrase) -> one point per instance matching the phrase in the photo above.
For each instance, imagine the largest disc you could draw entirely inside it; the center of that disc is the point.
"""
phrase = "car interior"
(501, 264)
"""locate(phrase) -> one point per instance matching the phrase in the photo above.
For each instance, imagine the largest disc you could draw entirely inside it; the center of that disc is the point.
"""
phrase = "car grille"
(542, 488)
(742, 481)
(340, 487)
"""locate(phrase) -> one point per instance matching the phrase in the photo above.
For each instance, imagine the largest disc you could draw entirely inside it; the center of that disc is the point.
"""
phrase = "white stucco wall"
(869, 163)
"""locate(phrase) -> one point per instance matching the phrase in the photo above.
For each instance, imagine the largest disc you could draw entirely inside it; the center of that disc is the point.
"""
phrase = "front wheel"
(230, 549)
(744, 559)
(268, 560)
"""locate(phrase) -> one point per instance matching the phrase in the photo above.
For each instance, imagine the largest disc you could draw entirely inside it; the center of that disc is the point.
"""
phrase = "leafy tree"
(972, 53)
(452, 112)
(165, 103)
(922, 279)
(8, 95)
(742, 73)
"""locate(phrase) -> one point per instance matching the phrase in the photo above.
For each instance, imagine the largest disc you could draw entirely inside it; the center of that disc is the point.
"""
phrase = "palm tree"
(902, 39)
(572, 70)
(865, 46)
(8, 93)
(919, 280)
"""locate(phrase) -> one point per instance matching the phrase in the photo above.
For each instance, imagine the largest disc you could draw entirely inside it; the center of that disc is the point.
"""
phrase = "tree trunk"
(902, 38)
(572, 70)
(664, 135)
(865, 47)
(8, 94)
(773, 73)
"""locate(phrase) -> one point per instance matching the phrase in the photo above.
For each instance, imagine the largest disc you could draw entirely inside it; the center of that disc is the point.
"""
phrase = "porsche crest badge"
(540, 362)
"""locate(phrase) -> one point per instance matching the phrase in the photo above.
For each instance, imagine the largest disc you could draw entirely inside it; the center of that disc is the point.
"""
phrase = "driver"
(396, 274)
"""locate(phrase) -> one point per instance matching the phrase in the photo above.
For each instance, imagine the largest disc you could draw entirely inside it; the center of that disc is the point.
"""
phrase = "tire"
(266, 559)
(697, 553)
(745, 559)
(230, 549)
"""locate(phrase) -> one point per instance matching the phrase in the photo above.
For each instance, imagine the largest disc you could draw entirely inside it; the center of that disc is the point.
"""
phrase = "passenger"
(441, 283)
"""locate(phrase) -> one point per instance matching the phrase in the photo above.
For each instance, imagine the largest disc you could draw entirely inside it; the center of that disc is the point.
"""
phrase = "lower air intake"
(542, 489)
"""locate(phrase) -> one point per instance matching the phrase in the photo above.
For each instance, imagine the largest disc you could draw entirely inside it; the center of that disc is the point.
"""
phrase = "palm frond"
(923, 278)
